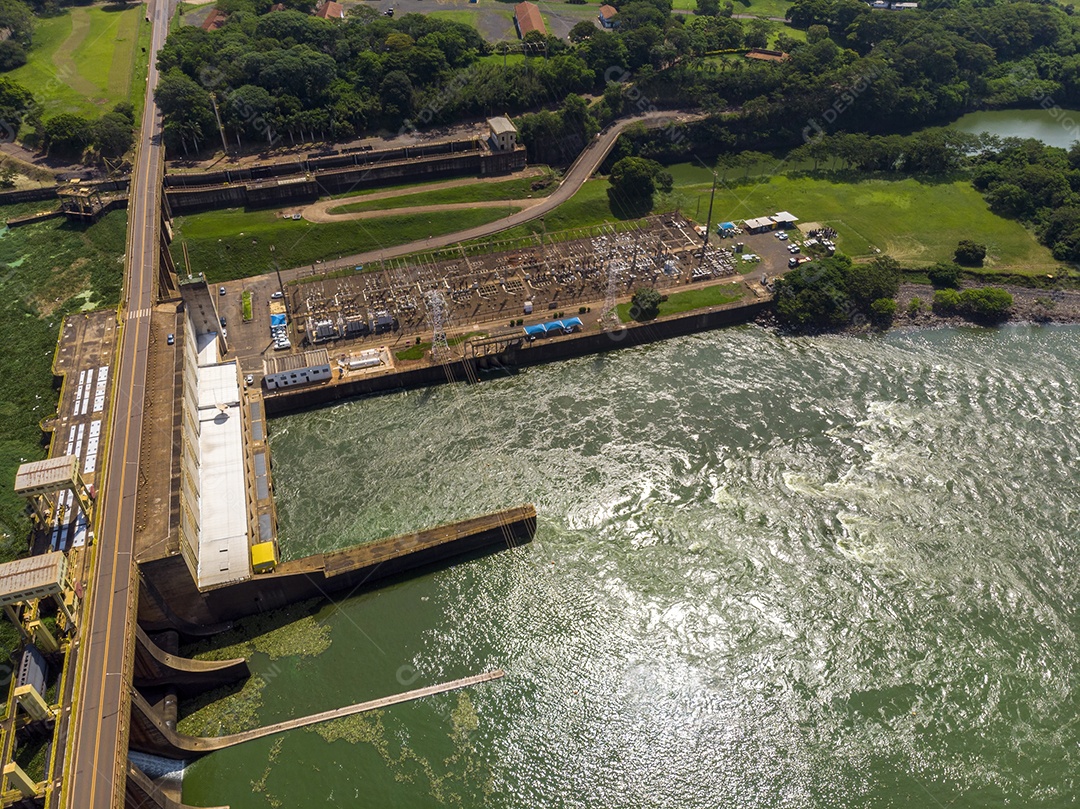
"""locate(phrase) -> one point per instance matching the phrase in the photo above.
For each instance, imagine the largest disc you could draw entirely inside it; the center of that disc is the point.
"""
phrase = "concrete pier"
(151, 735)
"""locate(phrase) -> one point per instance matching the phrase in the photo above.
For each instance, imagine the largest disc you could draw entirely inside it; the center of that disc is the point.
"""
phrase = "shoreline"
(1036, 307)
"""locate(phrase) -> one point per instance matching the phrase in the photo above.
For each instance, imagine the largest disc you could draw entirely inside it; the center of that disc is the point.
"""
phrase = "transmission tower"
(614, 265)
(439, 315)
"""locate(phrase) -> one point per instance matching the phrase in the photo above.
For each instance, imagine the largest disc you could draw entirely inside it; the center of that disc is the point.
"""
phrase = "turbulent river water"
(769, 572)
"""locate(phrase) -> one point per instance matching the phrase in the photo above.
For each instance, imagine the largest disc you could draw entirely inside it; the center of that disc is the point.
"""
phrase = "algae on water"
(219, 713)
(292, 631)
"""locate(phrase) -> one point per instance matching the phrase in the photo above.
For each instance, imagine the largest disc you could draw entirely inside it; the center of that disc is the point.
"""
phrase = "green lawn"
(47, 269)
(917, 223)
(761, 8)
(479, 192)
(587, 208)
(500, 59)
(236, 244)
(463, 16)
(418, 350)
(83, 61)
(691, 299)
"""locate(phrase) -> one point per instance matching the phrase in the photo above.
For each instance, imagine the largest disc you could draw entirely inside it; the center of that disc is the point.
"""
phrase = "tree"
(944, 275)
(127, 110)
(186, 105)
(645, 304)
(67, 134)
(969, 253)
(632, 184)
(882, 312)
(18, 19)
(873, 280)
(757, 34)
(396, 93)
(16, 105)
(817, 33)
(814, 296)
(708, 8)
(946, 301)
(986, 304)
(12, 55)
(112, 134)
(582, 31)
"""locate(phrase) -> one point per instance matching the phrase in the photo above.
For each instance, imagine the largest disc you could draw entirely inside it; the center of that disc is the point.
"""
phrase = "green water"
(769, 572)
(1054, 127)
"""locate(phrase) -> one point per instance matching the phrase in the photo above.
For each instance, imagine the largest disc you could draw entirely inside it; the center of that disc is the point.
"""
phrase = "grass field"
(701, 298)
(760, 8)
(480, 192)
(463, 16)
(236, 244)
(47, 269)
(84, 61)
(499, 59)
(917, 223)
(417, 351)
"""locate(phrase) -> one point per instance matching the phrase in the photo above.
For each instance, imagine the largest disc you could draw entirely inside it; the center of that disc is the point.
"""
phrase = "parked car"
(221, 291)
(223, 324)
(170, 339)
(278, 294)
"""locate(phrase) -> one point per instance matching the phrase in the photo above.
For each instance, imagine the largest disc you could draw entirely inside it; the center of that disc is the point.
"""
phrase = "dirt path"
(519, 204)
(320, 211)
(65, 65)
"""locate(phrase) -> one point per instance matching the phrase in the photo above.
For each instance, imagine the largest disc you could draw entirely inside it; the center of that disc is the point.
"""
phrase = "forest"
(289, 74)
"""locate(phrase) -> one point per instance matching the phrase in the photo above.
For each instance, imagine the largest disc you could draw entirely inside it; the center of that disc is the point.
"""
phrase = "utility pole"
(221, 129)
(708, 224)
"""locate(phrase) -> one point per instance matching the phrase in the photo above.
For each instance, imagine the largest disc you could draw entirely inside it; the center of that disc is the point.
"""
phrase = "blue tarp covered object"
(277, 320)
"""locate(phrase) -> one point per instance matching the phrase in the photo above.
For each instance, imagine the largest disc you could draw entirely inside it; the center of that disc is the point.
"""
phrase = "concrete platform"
(83, 358)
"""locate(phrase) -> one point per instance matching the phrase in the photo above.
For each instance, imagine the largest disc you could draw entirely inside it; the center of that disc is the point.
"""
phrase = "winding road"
(582, 168)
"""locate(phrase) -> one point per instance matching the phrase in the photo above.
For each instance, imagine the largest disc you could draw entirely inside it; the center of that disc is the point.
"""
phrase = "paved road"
(587, 162)
(97, 758)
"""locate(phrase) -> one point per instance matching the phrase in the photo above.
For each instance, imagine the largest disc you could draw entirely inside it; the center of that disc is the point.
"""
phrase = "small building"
(527, 18)
(297, 369)
(759, 224)
(214, 20)
(607, 16)
(264, 557)
(784, 220)
(503, 134)
(331, 10)
(764, 55)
